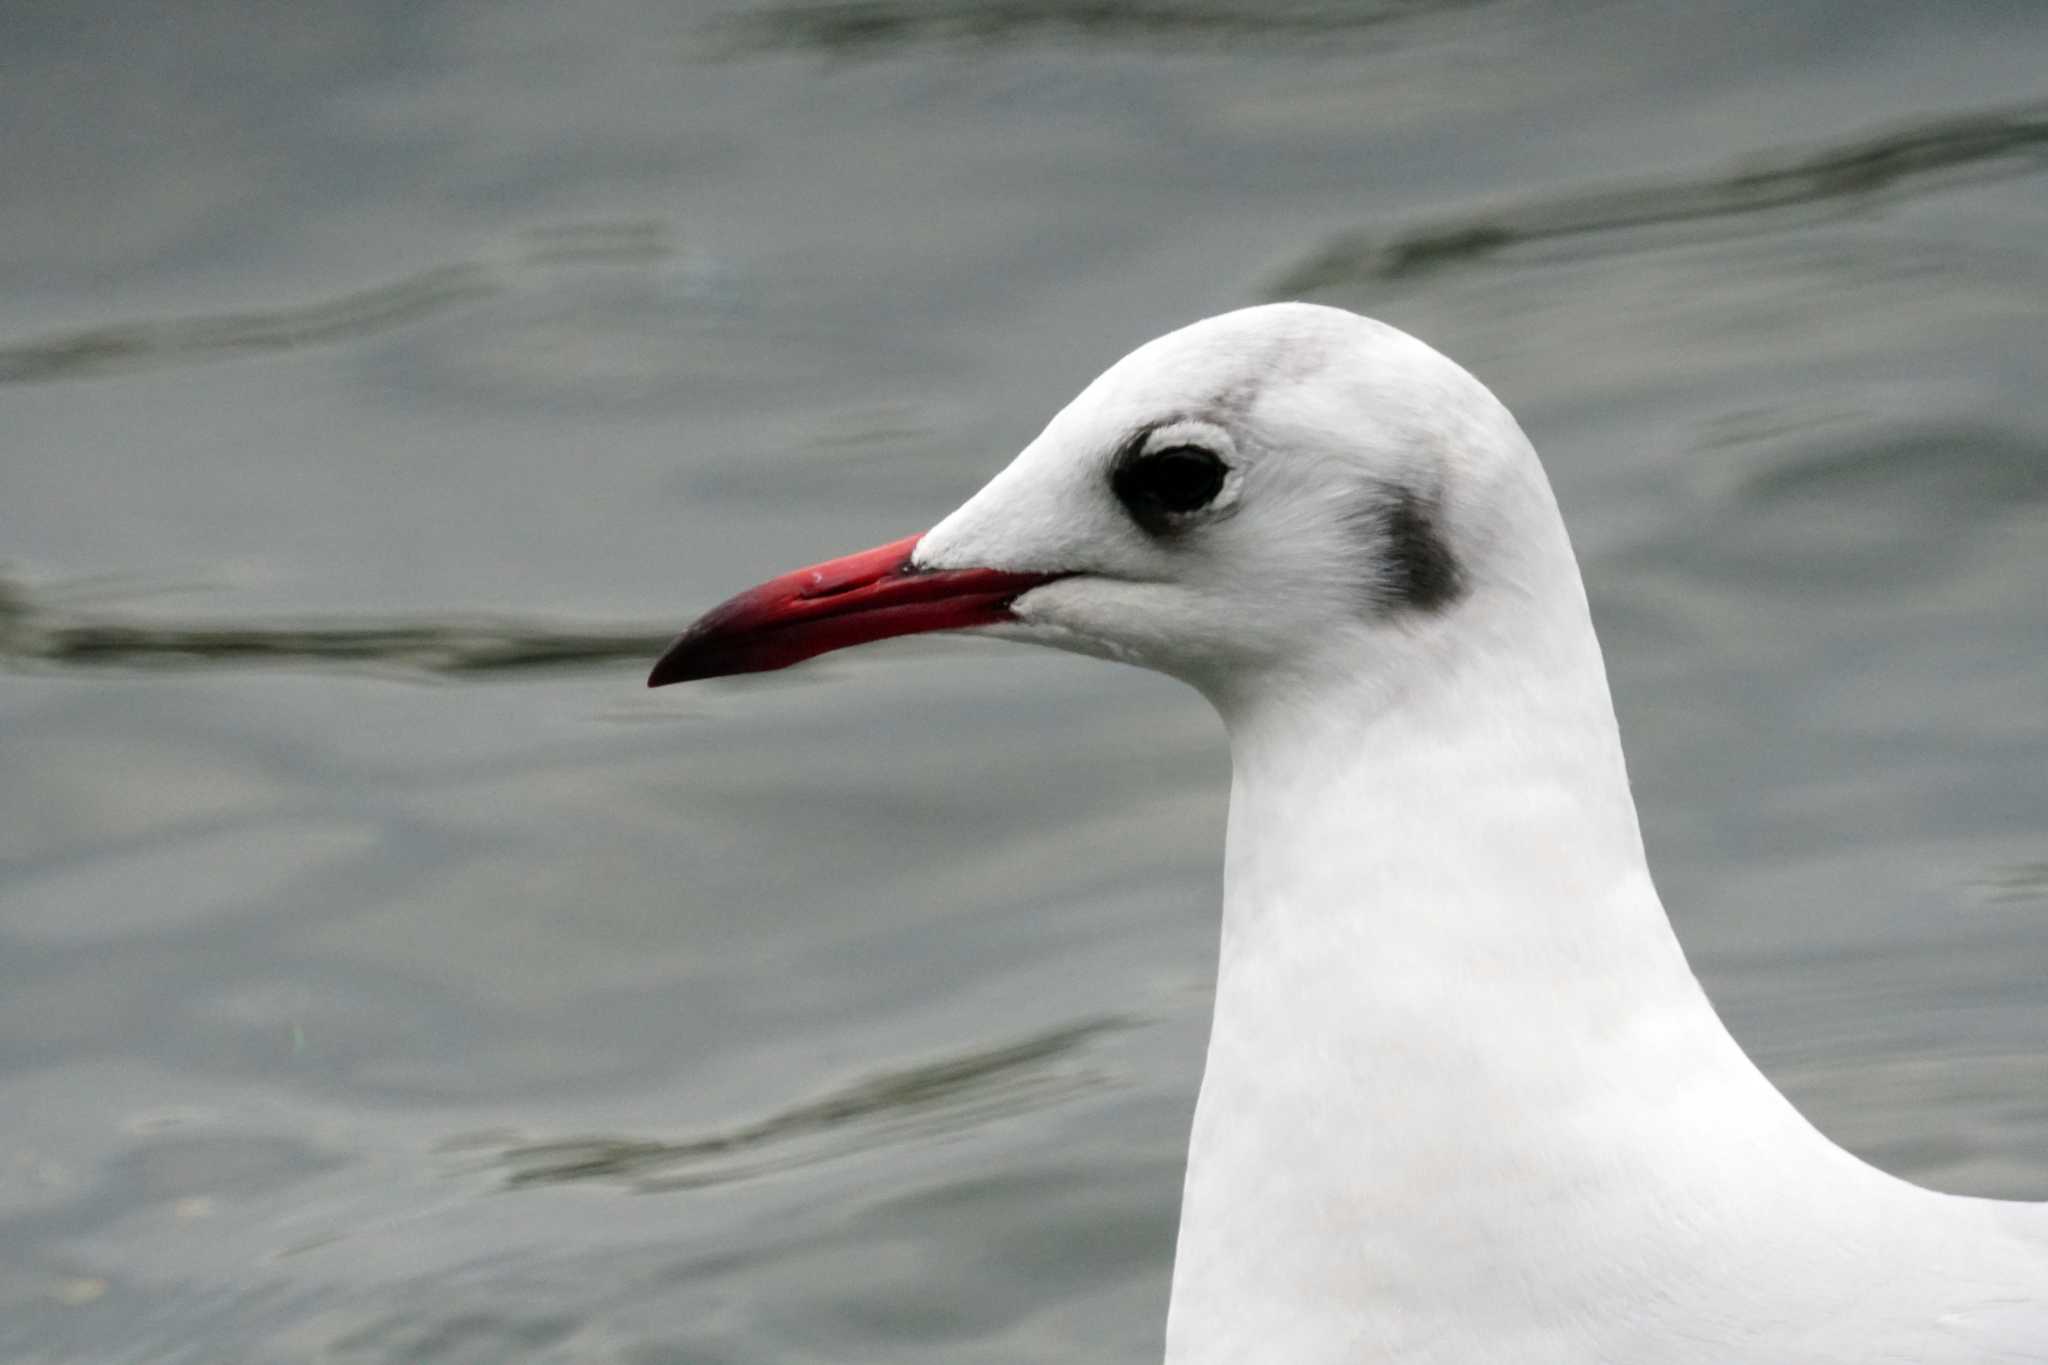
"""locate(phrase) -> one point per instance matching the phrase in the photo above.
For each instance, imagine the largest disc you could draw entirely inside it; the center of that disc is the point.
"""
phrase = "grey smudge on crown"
(1228, 407)
(1415, 568)
(1285, 364)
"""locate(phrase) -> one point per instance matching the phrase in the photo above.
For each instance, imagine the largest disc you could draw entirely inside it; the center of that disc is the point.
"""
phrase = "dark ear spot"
(1417, 570)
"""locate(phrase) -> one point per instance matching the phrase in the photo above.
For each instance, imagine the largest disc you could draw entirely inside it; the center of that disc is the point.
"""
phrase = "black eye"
(1168, 483)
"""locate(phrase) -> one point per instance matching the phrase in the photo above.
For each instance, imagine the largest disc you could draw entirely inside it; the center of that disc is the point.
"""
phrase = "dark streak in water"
(33, 634)
(125, 347)
(1919, 157)
(2025, 882)
(863, 27)
(936, 1097)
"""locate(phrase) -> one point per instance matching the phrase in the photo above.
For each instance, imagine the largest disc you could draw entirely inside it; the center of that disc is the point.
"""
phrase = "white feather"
(1464, 1102)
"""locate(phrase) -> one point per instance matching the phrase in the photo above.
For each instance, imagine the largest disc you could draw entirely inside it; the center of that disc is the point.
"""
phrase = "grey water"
(385, 976)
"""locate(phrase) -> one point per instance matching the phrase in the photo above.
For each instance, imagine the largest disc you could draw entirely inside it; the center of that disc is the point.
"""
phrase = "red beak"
(873, 595)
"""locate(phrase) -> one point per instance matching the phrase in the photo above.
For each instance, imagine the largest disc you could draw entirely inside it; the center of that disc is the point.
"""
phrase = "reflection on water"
(915, 1103)
(2025, 882)
(121, 347)
(34, 631)
(1921, 158)
(856, 27)
(336, 1015)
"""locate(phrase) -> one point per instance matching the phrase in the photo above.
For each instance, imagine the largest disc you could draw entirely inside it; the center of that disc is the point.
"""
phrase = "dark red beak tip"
(673, 666)
(874, 595)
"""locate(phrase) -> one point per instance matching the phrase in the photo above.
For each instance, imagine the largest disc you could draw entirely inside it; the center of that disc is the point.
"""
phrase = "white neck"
(1454, 1030)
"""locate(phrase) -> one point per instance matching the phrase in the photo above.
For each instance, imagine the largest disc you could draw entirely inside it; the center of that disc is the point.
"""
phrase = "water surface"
(386, 977)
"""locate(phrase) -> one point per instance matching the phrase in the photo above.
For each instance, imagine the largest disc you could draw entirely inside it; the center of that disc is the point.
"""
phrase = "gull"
(1464, 1101)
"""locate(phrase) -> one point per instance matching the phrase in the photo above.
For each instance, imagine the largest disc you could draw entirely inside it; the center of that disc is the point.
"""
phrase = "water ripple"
(854, 27)
(1916, 158)
(124, 347)
(2016, 883)
(37, 633)
(942, 1096)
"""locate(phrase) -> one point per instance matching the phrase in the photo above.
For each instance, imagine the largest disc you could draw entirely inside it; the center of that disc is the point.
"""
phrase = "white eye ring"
(1205, 436)
(1174, 475)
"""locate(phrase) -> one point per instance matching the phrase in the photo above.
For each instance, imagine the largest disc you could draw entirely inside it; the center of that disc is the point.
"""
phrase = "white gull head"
(1265, 498)
(1464, 1100)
